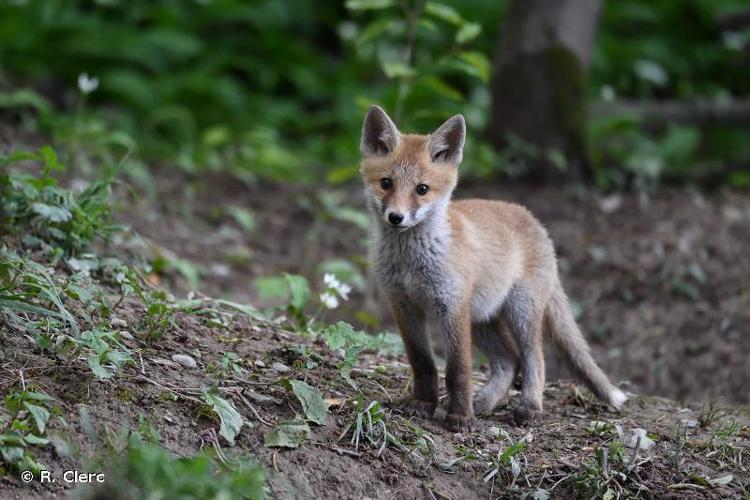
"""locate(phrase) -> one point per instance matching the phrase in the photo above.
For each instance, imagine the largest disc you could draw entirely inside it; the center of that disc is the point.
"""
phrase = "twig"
(252, 409)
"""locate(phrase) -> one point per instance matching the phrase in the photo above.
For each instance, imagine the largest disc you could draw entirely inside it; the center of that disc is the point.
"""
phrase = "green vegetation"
(278, 90)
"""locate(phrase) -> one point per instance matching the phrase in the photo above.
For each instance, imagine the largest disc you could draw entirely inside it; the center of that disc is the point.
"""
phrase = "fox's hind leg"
(524, 317)
(492, 339)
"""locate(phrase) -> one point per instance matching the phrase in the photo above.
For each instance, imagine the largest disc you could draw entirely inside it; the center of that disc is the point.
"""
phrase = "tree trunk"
(539, 82)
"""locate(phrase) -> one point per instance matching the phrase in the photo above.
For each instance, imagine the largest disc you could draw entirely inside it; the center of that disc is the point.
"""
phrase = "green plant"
(49, 215)
(146, 470)
(24, 423)
(508, 462)
(159, 316)
(369, 424)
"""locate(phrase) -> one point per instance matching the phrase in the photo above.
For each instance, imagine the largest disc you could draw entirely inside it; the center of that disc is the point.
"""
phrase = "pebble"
(119, 323)
(259, 363)
(126, 335)
(493, 431)
(638, 437)
(280, 367)
(184, 360)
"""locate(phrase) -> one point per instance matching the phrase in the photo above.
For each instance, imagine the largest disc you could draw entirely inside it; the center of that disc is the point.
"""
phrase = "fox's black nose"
(395, 218)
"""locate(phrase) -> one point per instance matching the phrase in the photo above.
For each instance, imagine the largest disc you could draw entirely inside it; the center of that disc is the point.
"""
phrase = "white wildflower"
(334, 285)
(344, 290)
(87, 84)
(329, 300)
(331, 281)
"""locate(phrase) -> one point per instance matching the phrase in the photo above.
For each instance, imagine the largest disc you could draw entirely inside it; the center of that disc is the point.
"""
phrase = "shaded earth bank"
(660, 284)
(576, 452)
(659, 288)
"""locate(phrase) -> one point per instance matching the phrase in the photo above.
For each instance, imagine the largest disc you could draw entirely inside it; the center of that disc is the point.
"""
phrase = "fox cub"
(485, 270)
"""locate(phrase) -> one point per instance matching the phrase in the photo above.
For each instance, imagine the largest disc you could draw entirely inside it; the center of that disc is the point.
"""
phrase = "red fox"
(485, 270)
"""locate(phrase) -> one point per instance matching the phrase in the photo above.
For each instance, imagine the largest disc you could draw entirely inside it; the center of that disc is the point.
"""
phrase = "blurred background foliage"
(277, 90)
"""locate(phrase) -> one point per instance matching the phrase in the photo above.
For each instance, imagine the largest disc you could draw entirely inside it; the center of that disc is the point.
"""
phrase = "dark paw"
(418, 407)
(527, 414)
(459, 423)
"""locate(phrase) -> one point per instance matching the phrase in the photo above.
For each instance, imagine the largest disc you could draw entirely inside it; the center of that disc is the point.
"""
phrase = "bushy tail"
(562, 327)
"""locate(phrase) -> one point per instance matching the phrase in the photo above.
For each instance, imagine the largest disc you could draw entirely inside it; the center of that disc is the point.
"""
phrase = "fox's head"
(407, 176)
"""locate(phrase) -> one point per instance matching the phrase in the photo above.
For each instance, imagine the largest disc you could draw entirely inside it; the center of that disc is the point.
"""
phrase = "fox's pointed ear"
(379, 134)
(446, 144)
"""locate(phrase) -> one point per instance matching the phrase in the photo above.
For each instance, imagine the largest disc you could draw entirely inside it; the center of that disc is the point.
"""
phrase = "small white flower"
(344, 290)
(331, 281)
(329, 300)
(87, 84)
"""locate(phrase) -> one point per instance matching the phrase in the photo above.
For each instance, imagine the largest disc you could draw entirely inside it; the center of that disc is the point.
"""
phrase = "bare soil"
(662, 292)
(660, 284)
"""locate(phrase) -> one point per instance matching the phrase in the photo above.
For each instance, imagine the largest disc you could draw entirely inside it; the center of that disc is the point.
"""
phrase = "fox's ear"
(446, 144)
(379, 134)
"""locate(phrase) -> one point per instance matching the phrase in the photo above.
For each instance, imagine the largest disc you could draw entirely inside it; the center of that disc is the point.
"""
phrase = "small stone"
(493, 431)
(126, 335)
(184, 360)
(638, 437)
(118, 322)
(280, 367)
(689, 422)
(261, 399)
(356, 372)
(259, 363)
(339, 354)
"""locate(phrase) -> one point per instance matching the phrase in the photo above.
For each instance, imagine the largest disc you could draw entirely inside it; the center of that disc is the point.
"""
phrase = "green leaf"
(13, 303)
(231, 420)
(369, 4)
(397, 69)
(272, 287)
(475, 64)
(243, 216)
(101, 372)
(443, 12)
(39, 414)
(468, 32)
(312, 401)
(51, 213)
(50, 158)
(288, 435)
(300, 290)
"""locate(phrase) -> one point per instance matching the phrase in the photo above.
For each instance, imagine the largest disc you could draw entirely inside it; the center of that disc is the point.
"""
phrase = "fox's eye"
(386, 183)
(422, 189)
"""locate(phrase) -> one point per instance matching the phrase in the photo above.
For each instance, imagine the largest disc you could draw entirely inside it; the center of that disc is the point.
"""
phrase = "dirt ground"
(660, 284)
(660, 287)
(434, 464)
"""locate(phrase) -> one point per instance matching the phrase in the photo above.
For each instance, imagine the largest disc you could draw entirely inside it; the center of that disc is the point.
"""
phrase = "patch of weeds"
(509, 463)
(24, 424)
(610, 473)
(722, 447)
(51, 217)
(146, 470)
(296, 292)
(107, 356)
(159, 317)
(29, 289)
(710, 413)
(369, 424)
(229, 364)
(343, 336)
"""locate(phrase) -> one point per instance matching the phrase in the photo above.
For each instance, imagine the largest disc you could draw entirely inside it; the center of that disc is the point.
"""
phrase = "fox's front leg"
(411, 323)
(457, 332)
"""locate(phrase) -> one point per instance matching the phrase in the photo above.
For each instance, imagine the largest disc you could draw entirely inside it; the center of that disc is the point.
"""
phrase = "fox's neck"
(432, 235)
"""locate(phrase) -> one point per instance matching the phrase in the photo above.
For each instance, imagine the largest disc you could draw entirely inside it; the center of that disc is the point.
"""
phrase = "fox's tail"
(561, 326)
